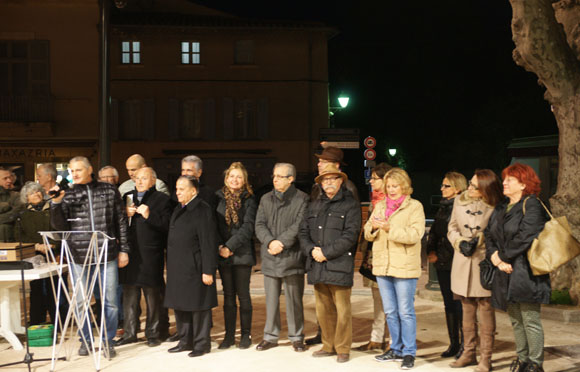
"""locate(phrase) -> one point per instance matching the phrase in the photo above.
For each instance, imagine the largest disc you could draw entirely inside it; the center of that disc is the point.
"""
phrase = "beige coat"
(397, 253)
(467, 215)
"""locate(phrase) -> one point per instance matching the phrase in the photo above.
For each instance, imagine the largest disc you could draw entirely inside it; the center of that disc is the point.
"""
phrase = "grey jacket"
(280, 220)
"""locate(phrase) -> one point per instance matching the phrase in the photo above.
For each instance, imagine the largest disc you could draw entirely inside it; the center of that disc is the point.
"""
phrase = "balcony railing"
(26, 108)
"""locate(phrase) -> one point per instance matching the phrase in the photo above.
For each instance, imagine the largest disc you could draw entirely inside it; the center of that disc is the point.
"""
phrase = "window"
(24, 68)
(25, 80)
(190, 54)
(131, 52)
(132, 119)
(244, 52)
(191, 119)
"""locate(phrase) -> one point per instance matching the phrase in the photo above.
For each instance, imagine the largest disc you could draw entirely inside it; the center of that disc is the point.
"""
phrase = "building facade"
(183, 79)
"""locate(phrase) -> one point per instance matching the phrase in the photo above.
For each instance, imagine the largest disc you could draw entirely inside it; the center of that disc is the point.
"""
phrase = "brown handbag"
(553, 247)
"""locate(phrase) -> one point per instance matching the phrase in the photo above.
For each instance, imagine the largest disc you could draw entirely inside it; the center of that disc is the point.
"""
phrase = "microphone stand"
(28, 357)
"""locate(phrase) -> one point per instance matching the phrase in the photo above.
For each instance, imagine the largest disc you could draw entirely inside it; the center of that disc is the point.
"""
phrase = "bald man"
(133, 164)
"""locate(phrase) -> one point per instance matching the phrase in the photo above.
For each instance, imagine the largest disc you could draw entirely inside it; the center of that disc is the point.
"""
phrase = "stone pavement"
(562, 342)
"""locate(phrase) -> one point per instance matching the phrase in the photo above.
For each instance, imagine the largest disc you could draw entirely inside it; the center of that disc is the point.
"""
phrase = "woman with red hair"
(512, 228)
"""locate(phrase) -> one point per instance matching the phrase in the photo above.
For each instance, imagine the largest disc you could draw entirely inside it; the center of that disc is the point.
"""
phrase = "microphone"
(63, 185)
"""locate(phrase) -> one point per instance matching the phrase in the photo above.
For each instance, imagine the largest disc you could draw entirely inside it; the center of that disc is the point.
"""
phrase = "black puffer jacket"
(438, 241)
(95, 206)
(238, 238)
(333, 225)
(512, 233)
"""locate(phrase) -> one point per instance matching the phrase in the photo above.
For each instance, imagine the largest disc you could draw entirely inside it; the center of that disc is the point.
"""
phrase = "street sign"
(370, 154)
(370, 142)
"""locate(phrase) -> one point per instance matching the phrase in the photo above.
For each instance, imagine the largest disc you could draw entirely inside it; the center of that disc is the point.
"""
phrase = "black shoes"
(314, 340)
(125, 341)
(112, 353)
(226, 343)
(518, 366)
(152, 342)
(451, 351)
(179, 348)
(83, 351)
(408, 362)
(298, 346)
(389, 356)
(197, 353)
(533, 367)
(173, 338)
(245, 342)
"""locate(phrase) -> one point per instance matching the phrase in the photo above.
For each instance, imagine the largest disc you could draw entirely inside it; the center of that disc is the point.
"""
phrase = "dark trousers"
(451, 305)
(41, 301)
(236, 282)
(193, 328)
(132, 307)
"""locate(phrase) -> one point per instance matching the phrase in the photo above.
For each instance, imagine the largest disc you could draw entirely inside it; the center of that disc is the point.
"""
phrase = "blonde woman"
(396, 227)
(471, 212)
(236, 213)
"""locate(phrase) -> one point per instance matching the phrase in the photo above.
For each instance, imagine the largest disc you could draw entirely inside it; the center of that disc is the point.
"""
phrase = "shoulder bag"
(553, 247)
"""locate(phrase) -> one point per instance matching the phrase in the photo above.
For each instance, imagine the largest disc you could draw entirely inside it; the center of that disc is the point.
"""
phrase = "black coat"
(333, 225)
(438, 241)
(148, 239)
(191, 252)
(512, 233)
(237, 238)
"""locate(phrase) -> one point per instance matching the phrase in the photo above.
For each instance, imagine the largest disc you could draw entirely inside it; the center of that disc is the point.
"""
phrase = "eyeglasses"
(330, 179)
(472, 185)
(276, 176)
(445, 186)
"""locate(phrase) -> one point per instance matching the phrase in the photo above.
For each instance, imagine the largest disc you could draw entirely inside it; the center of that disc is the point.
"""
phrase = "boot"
(246, 326)
(460, 351)
(230, 314)
(453, 331)
(486, 336)
(467, 358)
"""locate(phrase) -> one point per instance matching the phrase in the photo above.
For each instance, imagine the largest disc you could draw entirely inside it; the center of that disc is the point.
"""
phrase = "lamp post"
(342, 104)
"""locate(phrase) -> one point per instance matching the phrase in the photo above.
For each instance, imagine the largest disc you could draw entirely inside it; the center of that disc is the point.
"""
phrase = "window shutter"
(209, 130)
(148, 130)
(228, 112)
(173, 119)
(262, 118)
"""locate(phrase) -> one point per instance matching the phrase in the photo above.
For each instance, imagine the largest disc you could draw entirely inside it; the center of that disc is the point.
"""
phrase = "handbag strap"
(541, 202)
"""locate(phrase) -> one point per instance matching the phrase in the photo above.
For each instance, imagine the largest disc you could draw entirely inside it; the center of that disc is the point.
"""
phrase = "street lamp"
(343, 101)
(393, 152)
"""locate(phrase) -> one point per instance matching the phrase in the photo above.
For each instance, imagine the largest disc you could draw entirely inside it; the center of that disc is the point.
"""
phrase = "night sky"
(436, 80)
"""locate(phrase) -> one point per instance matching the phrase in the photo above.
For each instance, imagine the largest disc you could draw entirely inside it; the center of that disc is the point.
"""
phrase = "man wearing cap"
(333, 156)
(328, 237)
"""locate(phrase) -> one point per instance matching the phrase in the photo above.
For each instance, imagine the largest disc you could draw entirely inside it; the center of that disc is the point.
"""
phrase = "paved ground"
(562, 342)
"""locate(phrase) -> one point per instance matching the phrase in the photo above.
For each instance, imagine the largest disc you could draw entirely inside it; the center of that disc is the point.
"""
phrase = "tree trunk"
(542, 47)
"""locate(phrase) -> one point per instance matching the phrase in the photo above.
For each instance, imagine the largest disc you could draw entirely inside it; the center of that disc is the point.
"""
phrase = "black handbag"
(486, 273)
(366, 266)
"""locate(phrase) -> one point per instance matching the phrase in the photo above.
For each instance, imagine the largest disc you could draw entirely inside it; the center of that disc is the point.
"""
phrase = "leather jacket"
(95, 206)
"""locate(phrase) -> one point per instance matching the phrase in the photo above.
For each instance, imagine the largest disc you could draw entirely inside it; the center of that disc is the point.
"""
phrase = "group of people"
(486, 218)
(196, 232)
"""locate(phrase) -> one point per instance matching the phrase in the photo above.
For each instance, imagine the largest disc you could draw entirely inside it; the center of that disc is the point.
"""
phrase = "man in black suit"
(149, 212)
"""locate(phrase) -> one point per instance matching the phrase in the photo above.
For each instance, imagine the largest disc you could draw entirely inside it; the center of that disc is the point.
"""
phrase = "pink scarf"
(393, 205)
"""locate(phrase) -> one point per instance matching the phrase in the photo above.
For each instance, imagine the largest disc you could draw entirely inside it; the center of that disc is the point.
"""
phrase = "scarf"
(233, 205)
(377, 196)
(393, 205)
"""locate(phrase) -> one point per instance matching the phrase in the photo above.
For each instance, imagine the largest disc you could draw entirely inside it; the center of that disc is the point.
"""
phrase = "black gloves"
(467, 247)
